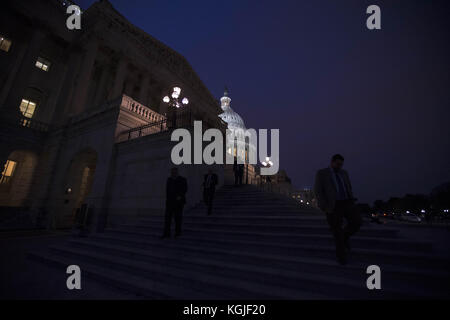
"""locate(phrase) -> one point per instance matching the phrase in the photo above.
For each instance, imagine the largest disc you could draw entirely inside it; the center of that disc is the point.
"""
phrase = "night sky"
(313, 70)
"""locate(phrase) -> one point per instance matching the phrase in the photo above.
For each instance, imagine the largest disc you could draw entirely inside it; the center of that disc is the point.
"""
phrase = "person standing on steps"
(240, 173)
(236, 172)
(238, 169)
(334, 195)
(176, 188)
(210, 181)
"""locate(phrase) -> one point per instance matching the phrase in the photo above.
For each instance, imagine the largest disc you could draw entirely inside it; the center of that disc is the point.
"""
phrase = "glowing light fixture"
(173, 101)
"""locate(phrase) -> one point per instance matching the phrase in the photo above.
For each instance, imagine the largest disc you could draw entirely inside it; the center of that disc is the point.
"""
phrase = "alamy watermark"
(73, 22)
(74, 280)
(374, 280)
(374, 20)
(248, 144)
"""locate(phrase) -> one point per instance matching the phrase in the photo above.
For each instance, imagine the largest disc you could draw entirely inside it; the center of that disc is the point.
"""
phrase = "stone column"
(99, 95)
(67, 90)
(21, 81)
(143, 94)
(82, 86)
(58, 68)
(13, 72)
(121, 72)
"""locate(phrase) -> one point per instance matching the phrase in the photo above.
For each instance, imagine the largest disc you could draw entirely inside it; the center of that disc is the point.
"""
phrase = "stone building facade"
(82, 119)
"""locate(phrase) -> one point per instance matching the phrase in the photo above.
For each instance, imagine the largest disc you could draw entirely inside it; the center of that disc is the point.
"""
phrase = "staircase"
(256, 245)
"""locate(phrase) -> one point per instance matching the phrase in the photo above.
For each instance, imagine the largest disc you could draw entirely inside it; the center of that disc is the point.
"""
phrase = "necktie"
(341, 188)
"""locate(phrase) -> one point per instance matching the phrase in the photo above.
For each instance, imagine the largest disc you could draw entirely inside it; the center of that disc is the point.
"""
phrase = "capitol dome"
(237, 146)
(233, 119)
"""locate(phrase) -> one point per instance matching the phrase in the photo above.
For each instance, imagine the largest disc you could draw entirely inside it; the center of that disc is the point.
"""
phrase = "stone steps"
(237, 211)
(209, 273)
(174, 281)
(241, 251)
(283, 252)
(256, 245)
(247, 219)
(281, 233)
(148, 288)
(286, 231)
(372, 256)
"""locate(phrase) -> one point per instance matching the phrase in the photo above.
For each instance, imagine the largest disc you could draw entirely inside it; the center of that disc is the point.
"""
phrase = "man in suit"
(334, 195)
(236, 172)
(210, 181)
(240, 173)
(238, 169)
(176, 188)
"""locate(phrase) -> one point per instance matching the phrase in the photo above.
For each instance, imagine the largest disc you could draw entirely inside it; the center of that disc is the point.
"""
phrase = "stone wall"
(139, 178)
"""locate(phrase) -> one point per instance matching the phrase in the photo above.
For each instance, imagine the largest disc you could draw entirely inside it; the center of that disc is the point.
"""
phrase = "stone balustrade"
(138, 108)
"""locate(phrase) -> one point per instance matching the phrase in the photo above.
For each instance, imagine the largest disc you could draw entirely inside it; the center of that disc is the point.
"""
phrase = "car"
(410, 217)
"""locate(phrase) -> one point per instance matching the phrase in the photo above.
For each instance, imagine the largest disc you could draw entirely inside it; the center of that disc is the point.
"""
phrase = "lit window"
(5, 44)
(27, 108)
(8, 172)
(42, 64)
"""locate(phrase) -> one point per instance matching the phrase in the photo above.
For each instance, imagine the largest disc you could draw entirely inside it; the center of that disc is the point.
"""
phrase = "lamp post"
(268, 163)
(174, 102)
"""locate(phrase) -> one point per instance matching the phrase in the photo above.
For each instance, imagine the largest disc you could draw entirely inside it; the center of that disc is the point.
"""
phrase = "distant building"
(305, 195)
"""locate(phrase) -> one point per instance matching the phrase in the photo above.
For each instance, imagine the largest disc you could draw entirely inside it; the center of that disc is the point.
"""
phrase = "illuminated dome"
(233, 119)
(236, 146)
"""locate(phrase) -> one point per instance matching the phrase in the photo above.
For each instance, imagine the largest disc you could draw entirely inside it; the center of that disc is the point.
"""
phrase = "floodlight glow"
(166, 99)
(185, 101)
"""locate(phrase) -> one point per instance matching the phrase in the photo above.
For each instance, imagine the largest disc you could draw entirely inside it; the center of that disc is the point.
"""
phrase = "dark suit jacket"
(214, 181)
(325, 188)
(176, 191)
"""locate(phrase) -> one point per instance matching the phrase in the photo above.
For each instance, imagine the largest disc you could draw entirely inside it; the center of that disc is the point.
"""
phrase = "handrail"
(140, 109)
(180, 120)
(34, 124)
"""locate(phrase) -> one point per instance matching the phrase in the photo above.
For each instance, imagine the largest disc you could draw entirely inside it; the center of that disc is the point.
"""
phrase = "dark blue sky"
(313, 70)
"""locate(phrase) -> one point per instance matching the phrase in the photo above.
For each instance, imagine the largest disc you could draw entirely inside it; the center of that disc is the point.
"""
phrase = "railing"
(33, 124)
(138, 108)
(175, 120)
